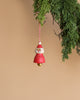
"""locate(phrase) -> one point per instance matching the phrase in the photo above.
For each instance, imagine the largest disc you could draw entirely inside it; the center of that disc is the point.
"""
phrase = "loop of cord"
(39, 32)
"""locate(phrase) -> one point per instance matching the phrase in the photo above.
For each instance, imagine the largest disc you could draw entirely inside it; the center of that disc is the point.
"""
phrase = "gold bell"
(39, 64)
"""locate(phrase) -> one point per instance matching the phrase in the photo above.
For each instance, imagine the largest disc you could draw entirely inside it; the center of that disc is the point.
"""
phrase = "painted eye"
(38, 49)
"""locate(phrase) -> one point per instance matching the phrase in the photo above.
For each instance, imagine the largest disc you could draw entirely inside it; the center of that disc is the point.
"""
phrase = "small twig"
(78, 50)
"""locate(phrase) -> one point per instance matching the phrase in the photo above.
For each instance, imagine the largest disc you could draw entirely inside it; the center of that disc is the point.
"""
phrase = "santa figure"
(39, 58)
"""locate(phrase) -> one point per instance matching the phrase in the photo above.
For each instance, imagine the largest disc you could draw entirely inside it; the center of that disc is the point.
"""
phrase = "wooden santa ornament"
(39, 58)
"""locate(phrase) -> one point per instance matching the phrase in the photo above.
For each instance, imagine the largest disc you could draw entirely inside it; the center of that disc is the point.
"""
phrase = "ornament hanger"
(39, 32)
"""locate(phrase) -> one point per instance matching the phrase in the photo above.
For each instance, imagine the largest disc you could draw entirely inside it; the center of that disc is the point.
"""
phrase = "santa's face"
(39, 50)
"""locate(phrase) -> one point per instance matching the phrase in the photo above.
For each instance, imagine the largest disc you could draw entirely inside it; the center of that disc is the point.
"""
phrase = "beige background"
(20, 78)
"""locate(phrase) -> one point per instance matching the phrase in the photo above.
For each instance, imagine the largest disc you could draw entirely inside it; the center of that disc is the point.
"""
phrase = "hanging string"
(39, 32)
